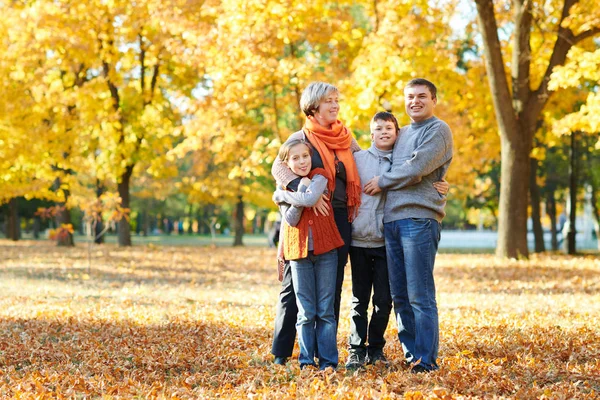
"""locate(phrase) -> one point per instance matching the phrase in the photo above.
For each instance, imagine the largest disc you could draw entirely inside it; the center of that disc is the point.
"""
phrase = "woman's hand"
(322, 206)
(443, 187)
(305, 181)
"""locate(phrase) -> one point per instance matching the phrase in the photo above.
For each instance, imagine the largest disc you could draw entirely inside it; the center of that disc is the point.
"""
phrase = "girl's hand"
(443, 187)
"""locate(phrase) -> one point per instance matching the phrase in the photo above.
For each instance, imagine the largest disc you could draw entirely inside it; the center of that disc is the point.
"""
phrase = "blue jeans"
(314, 280)
(411, 245)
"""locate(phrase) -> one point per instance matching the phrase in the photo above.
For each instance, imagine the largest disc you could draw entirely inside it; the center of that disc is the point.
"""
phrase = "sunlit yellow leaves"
(584, 15)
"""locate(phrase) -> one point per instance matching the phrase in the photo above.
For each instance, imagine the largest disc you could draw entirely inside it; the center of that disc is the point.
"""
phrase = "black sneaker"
(375, 355)
(280, 360)
(419, 369)
(356, 359)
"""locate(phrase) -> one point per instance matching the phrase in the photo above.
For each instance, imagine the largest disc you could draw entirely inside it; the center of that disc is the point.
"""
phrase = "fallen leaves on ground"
(197, 322)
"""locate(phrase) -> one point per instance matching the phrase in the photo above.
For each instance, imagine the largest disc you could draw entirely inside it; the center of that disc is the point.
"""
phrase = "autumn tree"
(541, 37)
(256, 69)
(389, 58)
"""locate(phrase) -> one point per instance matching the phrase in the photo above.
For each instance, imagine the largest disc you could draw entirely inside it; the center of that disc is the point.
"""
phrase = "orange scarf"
(331, 143)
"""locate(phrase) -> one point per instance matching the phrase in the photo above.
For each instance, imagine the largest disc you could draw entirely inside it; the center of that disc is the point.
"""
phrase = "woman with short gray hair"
(333, 145)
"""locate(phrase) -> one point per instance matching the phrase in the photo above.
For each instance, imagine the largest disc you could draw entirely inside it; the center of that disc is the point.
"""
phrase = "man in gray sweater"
(413, 213)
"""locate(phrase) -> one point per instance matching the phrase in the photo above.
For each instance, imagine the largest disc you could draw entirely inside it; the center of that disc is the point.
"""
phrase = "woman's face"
(328, 110)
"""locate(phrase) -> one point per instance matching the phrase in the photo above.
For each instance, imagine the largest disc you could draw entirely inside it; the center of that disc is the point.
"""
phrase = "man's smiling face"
(419, 102)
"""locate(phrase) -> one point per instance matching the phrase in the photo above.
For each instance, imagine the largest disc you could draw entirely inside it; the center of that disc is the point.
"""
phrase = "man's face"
(384, 134)
(418, 103)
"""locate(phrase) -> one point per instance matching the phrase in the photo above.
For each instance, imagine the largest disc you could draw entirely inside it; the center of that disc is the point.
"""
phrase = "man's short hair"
(424, 82)
(312, 96)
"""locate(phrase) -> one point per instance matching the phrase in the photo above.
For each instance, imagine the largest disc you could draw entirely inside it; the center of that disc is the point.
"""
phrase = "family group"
(383, 208)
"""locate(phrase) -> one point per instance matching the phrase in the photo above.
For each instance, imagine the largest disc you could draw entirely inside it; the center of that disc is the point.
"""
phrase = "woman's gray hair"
(312, 96)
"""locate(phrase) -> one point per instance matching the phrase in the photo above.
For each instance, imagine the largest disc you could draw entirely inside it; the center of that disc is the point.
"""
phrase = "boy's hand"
(372, 187)
(322, 206)
(443, 187)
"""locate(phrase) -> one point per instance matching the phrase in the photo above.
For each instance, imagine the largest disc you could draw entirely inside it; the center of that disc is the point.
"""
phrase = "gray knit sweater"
(367, 228)
(422, 155)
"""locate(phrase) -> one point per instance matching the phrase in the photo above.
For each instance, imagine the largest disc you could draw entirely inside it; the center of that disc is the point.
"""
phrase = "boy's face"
(299, 160)
(383, 134)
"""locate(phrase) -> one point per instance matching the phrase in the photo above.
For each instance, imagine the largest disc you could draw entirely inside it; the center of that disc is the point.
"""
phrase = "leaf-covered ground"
(196, 322)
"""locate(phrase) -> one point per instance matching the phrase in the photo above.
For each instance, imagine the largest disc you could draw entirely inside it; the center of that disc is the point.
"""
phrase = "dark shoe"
(375, 355)
(419, 369)
(356, 359)
(280, 360)
(328, 368)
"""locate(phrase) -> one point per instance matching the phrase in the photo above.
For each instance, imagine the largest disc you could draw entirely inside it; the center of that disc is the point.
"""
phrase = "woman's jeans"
(314, 280)
(411, 248)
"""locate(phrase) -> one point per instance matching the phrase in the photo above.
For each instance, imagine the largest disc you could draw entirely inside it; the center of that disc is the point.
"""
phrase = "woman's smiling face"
(328, 110)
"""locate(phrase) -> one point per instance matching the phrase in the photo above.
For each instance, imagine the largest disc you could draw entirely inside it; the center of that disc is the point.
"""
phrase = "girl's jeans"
(314, 280)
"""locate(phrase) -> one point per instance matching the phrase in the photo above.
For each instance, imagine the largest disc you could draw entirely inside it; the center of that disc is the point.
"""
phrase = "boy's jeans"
(314, 280)
(411, 248)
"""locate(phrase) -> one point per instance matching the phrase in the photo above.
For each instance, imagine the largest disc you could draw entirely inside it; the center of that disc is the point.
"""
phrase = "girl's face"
(299, 160)
(328, 110)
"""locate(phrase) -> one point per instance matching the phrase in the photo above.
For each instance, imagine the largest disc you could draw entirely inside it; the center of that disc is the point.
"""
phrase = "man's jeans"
(411, 248)
(369, 273)
(314, 280)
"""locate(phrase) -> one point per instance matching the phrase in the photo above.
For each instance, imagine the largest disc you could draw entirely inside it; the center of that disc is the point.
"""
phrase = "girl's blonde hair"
(284, 150)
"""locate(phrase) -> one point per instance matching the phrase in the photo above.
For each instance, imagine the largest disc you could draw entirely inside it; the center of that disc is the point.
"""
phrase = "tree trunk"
(99, 226)
(518, 107)
(571, 244)
(145, 223)
(596, 213)
(124, 229)
(37, 225)
(239, 222)
(12, 226)
(65, 238)
(190, 230)
(512, 221)
(536, 215)
(63, 217)
(551, 210)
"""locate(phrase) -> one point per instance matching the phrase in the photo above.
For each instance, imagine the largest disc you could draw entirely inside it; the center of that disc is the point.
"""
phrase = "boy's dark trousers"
(369, 272)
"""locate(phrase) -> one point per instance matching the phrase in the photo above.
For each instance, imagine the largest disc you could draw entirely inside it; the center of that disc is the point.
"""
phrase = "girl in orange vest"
(309, 243)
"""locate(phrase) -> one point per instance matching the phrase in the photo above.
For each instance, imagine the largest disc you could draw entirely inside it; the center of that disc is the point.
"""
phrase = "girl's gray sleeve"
(317, 187)
(291, 214)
